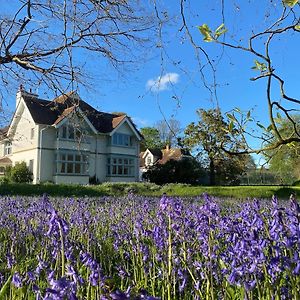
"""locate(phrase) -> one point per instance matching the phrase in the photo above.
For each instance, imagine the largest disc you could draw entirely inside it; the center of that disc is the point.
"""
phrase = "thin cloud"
(162, 83)
(140, 122)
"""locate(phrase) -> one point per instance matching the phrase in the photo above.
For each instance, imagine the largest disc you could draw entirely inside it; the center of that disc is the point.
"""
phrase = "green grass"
(147, 189)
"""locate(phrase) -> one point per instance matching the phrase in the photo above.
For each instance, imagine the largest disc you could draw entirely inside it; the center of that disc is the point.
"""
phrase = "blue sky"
(182, 91)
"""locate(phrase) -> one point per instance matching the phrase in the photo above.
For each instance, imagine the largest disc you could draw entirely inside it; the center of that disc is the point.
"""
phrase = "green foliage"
(259, 66)
(18, 173)
(186, 170)
(285, 160)
(209, 35)
(207, 138)
(151, 138)
(290, 3)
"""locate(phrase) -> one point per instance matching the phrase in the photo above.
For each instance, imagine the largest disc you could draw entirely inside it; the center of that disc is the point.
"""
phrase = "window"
(31, 166)
(69, 132)
(7, 148)
(72, 163)
(118, 166)
(32, 133)
(120, 139)
(148, 161)
(2, 170)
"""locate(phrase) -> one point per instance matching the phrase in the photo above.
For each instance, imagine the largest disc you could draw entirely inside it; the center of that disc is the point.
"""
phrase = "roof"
(164, 155)
(172, 153)
(3, 132)
(5, 161)
(53, 112)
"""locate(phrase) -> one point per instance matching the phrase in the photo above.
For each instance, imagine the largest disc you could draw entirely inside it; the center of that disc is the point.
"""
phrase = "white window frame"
(121, 140)
(7, 148)
(72, 163)
(123, 166)
(70, 133)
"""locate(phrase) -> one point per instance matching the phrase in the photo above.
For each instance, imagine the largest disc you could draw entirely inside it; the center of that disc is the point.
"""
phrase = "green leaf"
(297, 27)
(269, 128)
(261, 126)
(290, 3)
(5, 287)
(248, 114)
(231, 117)
(259, 66)
(220, 30)
(237, 110)
(230, 126)
(206, 32)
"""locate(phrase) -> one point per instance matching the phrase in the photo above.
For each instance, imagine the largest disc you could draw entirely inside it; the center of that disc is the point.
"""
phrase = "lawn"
(148, 189)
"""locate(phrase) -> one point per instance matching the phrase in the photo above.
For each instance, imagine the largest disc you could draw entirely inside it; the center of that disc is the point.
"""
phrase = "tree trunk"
(212, 175)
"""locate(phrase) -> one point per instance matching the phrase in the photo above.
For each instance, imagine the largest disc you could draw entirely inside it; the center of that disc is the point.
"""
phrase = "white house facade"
(68, 141)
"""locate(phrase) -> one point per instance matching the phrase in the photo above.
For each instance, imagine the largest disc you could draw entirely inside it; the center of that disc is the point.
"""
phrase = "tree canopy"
(205, 138)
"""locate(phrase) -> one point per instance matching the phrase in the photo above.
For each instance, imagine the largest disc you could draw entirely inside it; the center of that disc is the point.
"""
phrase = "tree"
(42, 41)
(205, 138)
(169, 131)
(19, 173)
(186, 170)
(284, 161)
(151, 138)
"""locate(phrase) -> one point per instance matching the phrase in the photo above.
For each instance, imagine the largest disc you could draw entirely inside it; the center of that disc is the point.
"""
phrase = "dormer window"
(7, 148)
(121, 139)
(69, 132)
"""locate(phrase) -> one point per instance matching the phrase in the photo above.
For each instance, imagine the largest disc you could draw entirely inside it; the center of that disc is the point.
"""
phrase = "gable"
(22, 114)
(123, 124)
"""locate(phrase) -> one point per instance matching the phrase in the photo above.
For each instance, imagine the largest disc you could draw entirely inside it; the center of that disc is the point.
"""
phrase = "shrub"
(19, 173)
(183, 171)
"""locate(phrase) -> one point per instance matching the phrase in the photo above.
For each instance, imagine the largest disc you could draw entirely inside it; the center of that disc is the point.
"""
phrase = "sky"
(167, 83)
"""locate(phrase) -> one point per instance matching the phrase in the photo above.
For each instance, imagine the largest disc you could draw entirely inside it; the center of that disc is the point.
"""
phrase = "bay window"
(120, 166)
(72, 163)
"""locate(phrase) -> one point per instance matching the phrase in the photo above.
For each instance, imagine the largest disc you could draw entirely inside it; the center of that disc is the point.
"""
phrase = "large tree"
(151, 138)
(284, 161)
(205, 139)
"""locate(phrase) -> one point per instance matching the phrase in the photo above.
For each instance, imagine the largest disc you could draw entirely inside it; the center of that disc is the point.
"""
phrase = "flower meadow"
(149, 248)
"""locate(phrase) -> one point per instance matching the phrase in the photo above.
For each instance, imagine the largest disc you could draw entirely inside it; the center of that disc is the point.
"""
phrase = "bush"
(186, 170)
(19, 173)
(296, 183)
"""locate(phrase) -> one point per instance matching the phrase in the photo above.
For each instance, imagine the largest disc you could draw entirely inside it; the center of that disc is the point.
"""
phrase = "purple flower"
(17, 280)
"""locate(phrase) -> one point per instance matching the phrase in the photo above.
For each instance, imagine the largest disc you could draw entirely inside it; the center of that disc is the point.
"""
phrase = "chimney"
(21, 92)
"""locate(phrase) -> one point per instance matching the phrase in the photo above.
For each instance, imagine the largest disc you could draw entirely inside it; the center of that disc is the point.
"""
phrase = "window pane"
(120, 170)
(114, 170)
(114, 161)
(77, 158)
(115, 139)
(125, 170)
(77, 168)
(63, 168)
(71, 133)
(69, 168)
(120, 161)
(70, 157)
(125, 161)
(64, 132)
(63, 156)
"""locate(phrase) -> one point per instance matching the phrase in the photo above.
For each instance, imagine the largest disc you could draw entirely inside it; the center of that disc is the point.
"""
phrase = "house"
(152, 157)
(68, 141)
